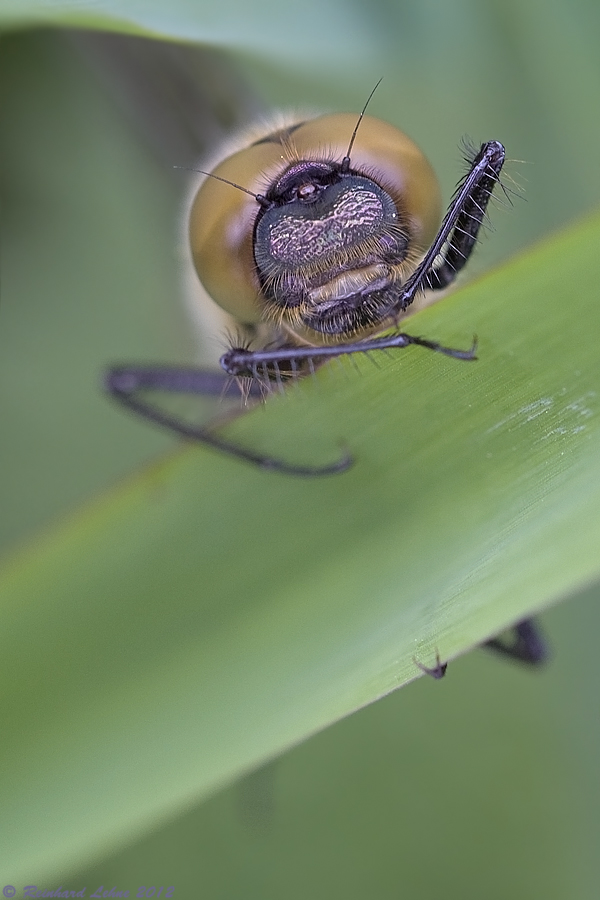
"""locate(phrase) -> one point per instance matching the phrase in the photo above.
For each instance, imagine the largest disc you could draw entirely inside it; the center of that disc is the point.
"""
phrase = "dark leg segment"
(438, 671)
(458, 234)
(468, 223)
(527, 644)
(124, 383)
(253, 363)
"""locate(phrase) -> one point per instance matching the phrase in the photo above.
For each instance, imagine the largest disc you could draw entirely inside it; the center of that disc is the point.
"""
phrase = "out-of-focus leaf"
(264, 26)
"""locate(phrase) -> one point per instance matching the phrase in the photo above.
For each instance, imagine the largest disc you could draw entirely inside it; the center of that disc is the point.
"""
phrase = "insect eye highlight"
(307, 190)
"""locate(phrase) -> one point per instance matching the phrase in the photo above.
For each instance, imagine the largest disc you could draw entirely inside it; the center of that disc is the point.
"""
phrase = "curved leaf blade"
(205, 616)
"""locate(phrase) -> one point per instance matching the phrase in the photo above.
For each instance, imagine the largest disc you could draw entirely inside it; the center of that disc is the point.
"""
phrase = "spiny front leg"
(459, 230)
(241, 362)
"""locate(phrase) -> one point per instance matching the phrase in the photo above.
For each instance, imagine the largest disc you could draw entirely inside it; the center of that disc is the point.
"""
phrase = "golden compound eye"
(321, 235)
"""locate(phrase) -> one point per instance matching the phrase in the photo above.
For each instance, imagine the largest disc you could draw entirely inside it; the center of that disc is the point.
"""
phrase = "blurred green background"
(484, 785)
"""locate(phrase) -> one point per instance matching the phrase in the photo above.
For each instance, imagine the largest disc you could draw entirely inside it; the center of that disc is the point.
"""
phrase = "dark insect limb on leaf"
(438, 671)
(125, 382)
(525, 644)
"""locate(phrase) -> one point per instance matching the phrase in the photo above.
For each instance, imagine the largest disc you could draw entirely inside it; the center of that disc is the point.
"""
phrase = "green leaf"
(207, 615)
(257, 28)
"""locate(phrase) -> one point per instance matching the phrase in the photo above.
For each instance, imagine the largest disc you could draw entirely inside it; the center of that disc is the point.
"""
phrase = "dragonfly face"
(315, 238)
(321, 245)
